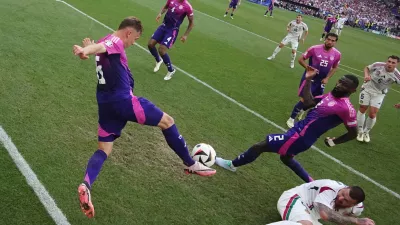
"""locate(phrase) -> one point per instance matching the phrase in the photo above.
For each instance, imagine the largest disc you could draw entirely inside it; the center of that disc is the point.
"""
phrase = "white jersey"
(341, 21)
(296, 29)
(381, 80)
(319, 191)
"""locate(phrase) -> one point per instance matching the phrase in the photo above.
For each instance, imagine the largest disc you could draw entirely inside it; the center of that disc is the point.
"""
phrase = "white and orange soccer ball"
(204, 154)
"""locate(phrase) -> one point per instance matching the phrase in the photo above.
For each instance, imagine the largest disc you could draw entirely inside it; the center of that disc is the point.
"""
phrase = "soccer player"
(295, 32)
(232, 5)
(325, 58)
(167, 32)
(117, 105)
(378, 78)
(330, 21)
(340, 24)
(330, 110)
(321, 199)
(270, 9)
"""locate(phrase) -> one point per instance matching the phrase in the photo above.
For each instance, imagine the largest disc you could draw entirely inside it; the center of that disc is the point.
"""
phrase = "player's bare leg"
(92, 171)
(167, 61)
(361, 121)
(293, 58)
(152, 48)
(276, 51)
(233, 10)
(178, 144)
(370, 122)
(226, 12)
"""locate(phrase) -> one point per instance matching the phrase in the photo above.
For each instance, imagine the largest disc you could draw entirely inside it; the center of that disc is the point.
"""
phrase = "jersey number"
(99, 71)
(173, 9)
(319, 103)
(324, 63)
(278, 138)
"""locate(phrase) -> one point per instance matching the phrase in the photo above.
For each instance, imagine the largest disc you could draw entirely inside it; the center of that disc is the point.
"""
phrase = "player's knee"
(281, 45)
(363, 108)
(151, 44)
(166, 122)
(260, 147)
(286, 159)
(372, 115)
(293, 51)
(162, 50)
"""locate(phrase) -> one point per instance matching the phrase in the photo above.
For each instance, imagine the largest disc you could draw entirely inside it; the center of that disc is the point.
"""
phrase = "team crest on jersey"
(331, 103)
(332, 58)
(378, 73)
(108, 43)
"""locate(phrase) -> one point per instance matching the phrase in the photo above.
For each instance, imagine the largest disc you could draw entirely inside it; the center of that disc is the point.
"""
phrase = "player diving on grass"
(328, 200)
(167, 32)
(330, 110)
(295, 31)
(117, 105)
(325, 58)
(232, 5)
(378, 78)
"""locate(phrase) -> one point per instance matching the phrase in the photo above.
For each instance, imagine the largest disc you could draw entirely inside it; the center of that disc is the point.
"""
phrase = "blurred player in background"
(330, 110)
(329, 23)
(167, 32)
(378, 78)
(270, 8)
(340, 24)
(233, 4)
(295, 31)
(325, 59)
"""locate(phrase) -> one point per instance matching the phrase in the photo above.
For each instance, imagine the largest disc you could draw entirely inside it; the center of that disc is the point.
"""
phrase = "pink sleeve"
(337, 61)
(113, 45)
(189, 9)
(308, 53)
(348, 114)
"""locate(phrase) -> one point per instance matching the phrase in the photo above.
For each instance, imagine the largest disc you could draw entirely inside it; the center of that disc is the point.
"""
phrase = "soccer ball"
(204, 153)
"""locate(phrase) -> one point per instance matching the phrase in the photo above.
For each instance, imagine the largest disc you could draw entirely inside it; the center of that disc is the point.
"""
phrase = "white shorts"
(292, 40)
(291, 208)
(368, 99)
(339, 27)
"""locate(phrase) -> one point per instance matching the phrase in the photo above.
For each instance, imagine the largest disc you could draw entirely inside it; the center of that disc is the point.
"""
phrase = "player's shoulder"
(187, 3)
(336, 51)
(329, 185)
(378, 65)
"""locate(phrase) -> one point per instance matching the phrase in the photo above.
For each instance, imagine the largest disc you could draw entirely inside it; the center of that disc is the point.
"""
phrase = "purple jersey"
(115, 81)
(329, 22)
(177, 11)
(327, 114)
(234, 2)
(322, 60)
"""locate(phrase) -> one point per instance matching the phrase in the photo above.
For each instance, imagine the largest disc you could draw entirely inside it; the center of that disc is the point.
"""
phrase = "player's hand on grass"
(183, 38)
(397, 106)
(87, 42)
(158, 17)
(365, 221)
(311, 72)
(78, 50)
(329, 141)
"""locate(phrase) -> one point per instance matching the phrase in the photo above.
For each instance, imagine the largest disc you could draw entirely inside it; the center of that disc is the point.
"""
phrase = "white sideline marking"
(31, 178)
(205, 14)
(250, 111)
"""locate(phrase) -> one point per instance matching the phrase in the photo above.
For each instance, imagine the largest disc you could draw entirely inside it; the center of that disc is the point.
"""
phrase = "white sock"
(276, 51)
(293, 56)
(360, 121)
(369, 124)
(340, 31)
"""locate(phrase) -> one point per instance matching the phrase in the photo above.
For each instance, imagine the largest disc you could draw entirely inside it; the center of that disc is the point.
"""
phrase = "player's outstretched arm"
(331, 215)
(350, 135)
(83, 53)
(162, 11)
(367, 77)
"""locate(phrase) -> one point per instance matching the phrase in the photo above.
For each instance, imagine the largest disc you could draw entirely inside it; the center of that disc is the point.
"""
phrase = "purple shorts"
(113, 116)
(291, 143)
(328, 29)
(233, 5)
(271, 7)
(317, 88)
(165, 36)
